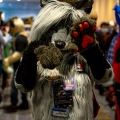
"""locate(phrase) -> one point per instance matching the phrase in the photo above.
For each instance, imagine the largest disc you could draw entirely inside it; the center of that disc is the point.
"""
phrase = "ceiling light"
(1, 0)
(18, 0)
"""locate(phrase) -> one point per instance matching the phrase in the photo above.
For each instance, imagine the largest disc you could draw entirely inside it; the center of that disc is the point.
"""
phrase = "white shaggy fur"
(42, 97)
(52, 14)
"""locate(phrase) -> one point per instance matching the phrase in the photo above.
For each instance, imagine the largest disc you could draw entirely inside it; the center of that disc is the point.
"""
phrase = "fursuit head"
(61, 64)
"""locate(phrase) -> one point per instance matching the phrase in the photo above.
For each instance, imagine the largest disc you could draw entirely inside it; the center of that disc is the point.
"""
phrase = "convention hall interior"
(27, 10)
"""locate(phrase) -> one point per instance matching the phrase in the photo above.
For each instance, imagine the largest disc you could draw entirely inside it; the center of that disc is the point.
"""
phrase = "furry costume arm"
(84, 37)
(97, 63)
(26, 74)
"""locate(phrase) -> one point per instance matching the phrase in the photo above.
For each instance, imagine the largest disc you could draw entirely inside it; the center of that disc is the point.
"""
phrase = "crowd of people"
(13, 40)
(109, 41)
(106, 34)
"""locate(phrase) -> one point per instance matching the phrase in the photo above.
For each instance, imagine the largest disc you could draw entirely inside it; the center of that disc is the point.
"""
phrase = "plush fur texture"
(44, 56)
(83, 99)
(53, 25)
(46, 19)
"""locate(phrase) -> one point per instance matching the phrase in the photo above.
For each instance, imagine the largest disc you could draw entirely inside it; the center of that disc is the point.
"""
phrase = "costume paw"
(49, 56)
(82, 33)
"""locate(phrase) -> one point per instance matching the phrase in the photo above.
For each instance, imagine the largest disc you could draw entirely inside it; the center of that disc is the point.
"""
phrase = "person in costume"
(116, 64)
(62, 62)
(20, 42)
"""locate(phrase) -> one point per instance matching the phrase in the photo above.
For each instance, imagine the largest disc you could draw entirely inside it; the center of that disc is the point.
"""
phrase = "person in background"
(20, 42)
(6, 73)
(113, 32)
(110, 44)
(104, 29)
(116, 69)
(107, 31)
(1, 63)
(2, 45)
(108, 88)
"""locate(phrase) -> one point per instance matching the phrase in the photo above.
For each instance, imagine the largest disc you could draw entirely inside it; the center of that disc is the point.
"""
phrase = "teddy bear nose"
(60, 44)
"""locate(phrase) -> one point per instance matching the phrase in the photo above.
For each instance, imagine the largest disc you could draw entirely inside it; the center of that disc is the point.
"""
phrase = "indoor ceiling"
(21, 1)
(20, 8)
(22, 4)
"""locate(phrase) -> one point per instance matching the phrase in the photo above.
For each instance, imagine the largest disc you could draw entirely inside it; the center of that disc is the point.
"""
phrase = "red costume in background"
(116, 69)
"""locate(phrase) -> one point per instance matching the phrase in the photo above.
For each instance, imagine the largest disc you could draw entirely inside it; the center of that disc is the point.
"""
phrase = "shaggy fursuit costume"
(63, 47)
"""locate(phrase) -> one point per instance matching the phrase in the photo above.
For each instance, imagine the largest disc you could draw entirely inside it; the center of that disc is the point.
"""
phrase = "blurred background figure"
(109, 52)
(116, 64)
(2, 45)
(104, 32)
(1, 63)
(104, 36)
(108, 34)
(107, 31)
(112, 33)
(20, 41)
(6, 72)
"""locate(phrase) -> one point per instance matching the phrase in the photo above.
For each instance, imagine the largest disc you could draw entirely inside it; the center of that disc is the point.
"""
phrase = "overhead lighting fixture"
(18, 0)
(1, 0)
